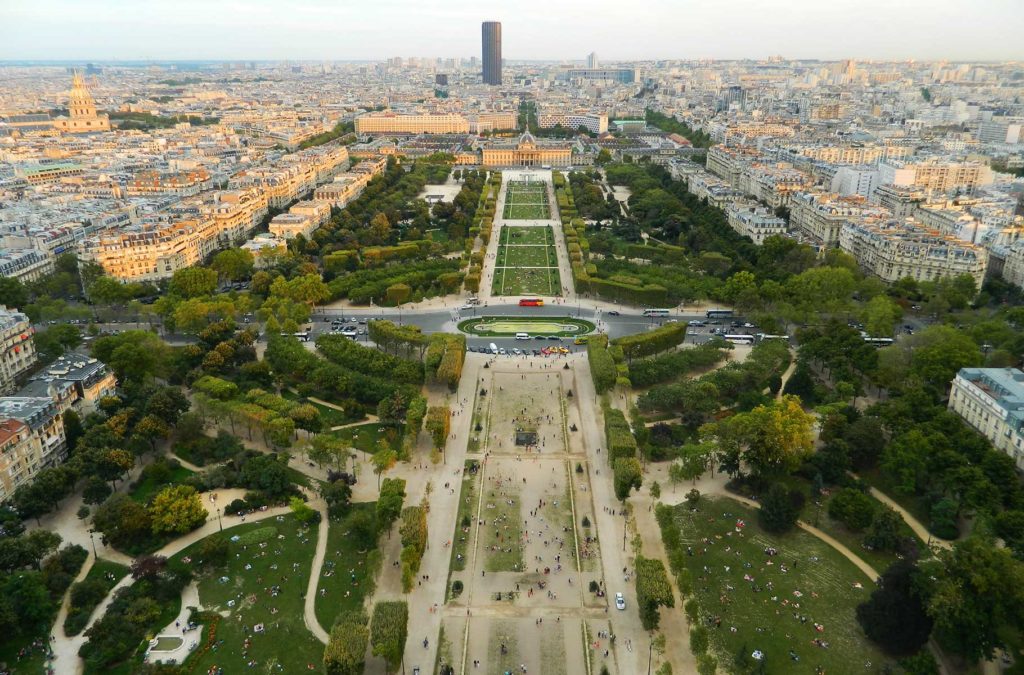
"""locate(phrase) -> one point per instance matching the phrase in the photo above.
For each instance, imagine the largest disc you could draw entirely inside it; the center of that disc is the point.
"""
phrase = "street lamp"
(93, 540)
(650, 654)
(220, 523)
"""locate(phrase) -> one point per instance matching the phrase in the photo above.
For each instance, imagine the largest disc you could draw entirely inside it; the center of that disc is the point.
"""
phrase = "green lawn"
(147, 487)
(536, 255)
(261, 584)
(526, 201)
(772, 610)
(105, 571)
(348, 574)
(504, 554)
(526, 236)
(330, 416)
(465, 519)
(364, 437)
(519, 281)
(527, 212)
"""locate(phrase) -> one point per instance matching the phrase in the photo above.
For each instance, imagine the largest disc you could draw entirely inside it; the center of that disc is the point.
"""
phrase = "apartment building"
(716, 191)
(892, 250)
(991, 400)
(595, 123)
(852, 154)
(493, 121)
(389, 122)
(728, 163)
(935, 173)
(620, 75)
(773, 184)
(17, 349)
(820, 216)
(302, 219)
(25, 265)
(348, 186)
(32, 438)
(184, 183)
(88, 381)
(750, 219)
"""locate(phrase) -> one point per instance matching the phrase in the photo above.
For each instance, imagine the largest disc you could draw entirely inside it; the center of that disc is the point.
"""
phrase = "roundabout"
(508, 326)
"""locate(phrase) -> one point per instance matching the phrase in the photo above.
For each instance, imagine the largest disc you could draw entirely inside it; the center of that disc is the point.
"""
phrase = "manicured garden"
(524, 281)
(526, 201)
(790, 598)
(507, 326)
(527, 255)
(519, 235)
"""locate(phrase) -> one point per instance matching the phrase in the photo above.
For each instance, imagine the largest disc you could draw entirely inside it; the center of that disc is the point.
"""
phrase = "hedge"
(602, 366)
(658, 340)
(621, 441)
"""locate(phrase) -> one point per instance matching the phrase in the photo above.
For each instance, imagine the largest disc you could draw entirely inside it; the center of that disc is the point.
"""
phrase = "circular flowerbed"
(508, 326)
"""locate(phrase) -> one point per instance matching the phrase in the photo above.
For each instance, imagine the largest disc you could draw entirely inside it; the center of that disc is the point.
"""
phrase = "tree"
(894, 616)
(880, 316)
(177, 509)
(853, 508)
(233, 264)
(389, 629)
(337, 495)
(780, 509)
(655, 490)
(380, 227)
(383, 460)
(346, 649)
(122, 520)
(676, 474)
(884, 533)
(775, 438)
(693, 461)
(979, 590)
(96, 490)
(152, 428)
(134, 354)
(303, 512)
(389, 502)
(653, 590)
(628, 476)
(12, 293)
(193, 282)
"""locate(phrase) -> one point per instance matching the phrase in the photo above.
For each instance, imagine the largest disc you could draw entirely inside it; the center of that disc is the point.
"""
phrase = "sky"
(966, 30)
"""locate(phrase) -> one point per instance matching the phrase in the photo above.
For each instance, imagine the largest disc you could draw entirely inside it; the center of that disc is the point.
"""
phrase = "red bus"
(531, 302)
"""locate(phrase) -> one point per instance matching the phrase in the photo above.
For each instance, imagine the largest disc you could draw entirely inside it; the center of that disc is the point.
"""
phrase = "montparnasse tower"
(83, 117)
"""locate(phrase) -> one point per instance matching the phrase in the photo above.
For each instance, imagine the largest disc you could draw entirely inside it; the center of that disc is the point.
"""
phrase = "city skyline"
(310, 30)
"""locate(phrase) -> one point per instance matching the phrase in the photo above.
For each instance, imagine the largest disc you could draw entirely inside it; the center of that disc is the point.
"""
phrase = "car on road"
(501, 350)
(554, 337)
(620, 601)
(614, 313)
(581, 340)
(467, 306)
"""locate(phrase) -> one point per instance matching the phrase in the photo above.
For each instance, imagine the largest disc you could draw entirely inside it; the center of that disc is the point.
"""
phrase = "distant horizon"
(321, 30)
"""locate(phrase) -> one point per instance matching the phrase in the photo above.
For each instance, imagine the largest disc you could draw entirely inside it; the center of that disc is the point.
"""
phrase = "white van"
(522, 336)
(494, 348)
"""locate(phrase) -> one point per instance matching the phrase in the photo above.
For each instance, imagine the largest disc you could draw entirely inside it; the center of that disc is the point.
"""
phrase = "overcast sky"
(566, 29)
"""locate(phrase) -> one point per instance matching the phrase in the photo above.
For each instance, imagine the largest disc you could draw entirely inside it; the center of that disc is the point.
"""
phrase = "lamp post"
(220, 523)
(650, 655)
(92, 539)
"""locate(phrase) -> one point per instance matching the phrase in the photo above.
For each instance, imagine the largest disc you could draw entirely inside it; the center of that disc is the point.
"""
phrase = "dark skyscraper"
(492, 52)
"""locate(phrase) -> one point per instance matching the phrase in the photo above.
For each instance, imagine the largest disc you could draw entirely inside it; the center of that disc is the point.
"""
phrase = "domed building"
(83, 117)
(528, 152)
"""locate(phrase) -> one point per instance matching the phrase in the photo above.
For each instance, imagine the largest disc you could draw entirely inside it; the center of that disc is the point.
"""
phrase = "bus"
(878, 342)
(739, 339)
(303, 337)
(761, 337)
(531, 302)
(656, 312)
(719, 313)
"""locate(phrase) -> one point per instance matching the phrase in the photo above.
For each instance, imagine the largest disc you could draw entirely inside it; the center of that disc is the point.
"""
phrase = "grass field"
(526, 201)
(517, 235)
(773, 603)
(343, 560)
(520, 281)
(262, 584)
(527, 263)
(502, 545)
